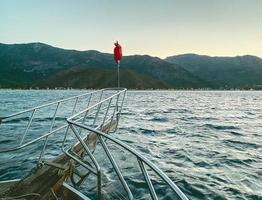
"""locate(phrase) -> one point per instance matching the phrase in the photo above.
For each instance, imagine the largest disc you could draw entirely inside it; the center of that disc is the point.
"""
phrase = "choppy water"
(208, 142)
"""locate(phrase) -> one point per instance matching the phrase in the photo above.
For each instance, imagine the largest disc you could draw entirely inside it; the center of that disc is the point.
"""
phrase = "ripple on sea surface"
(208, 142)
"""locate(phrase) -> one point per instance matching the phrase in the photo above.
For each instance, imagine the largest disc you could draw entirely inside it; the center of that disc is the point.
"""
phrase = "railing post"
(66, 133)
(102, 92)
(120, 110)
(148, 181)
(27, 127)
(51, 127)
(112, 118)
(99, 185)
(109, 104)
(75, 106)
(124, 95)
(120, 176)
(98, 108)
(84, 146)
(84, 118)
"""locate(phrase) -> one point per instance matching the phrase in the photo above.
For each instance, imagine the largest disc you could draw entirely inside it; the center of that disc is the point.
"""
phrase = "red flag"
(117, 53)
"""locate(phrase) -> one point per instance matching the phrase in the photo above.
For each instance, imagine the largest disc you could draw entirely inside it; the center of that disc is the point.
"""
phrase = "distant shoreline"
(64, 89)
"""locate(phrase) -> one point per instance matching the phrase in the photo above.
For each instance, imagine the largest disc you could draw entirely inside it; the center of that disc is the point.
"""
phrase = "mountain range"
(41, 65)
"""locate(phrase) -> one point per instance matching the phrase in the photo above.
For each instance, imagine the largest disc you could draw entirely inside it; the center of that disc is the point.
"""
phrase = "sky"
(156, 27)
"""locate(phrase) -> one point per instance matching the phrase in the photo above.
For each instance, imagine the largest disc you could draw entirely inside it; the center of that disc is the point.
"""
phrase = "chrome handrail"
(76, 98)
(80, 121)
(49, 104)
(140, 158)
(37, 108)
(115, 113)
(96, 106)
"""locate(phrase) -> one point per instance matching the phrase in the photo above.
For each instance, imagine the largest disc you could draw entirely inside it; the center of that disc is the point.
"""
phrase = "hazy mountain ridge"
(51, 65)
(223, 72)
(41, 65)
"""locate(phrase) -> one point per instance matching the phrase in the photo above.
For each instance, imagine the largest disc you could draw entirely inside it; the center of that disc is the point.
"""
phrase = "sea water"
(208, 142)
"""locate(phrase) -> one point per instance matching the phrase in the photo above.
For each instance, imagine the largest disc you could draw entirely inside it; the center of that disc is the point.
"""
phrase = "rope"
(54, 195)
(65, 174)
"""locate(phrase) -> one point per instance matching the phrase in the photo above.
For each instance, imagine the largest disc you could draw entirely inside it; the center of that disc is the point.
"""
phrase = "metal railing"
(142, 161)
(89, 99)
(106, 111)
(89, 121)
(95, 168)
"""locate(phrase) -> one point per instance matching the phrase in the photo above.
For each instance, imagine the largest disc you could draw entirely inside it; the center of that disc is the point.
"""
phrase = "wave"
(148, 131)
(241, 144)
(236, 133)
(177, 110)
(35, 119)
(6, 141)
(221, 127)
(159, 119)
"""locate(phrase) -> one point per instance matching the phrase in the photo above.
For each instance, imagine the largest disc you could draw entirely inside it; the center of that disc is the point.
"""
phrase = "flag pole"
(118, 57)
(118, 75)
